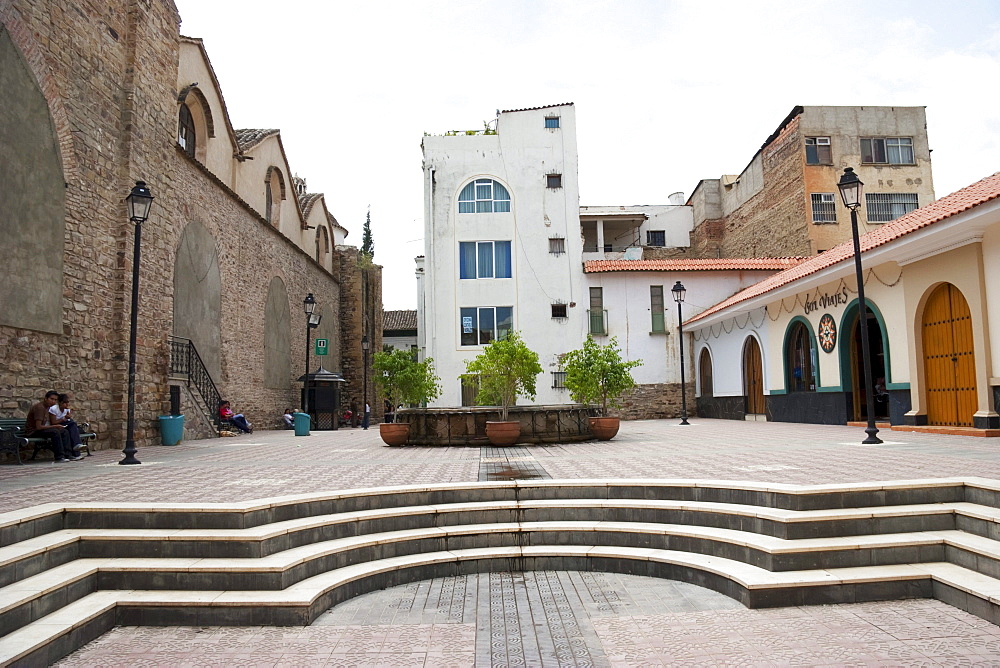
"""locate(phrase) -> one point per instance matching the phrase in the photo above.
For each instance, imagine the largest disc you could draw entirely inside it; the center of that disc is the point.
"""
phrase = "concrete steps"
(69, 573)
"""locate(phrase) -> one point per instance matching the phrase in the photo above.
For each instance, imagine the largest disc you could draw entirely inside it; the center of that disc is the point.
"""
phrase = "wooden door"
(753, 377)
(949, 358)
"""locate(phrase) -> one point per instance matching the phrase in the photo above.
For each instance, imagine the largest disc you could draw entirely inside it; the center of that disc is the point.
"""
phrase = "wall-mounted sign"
(827, 333)
(321, 346)
(826, 300)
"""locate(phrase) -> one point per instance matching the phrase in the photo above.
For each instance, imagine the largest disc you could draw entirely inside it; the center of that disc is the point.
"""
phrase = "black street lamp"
(312, 322)
(678, 291)
(139, 201)
(850, 189)
(364, 371)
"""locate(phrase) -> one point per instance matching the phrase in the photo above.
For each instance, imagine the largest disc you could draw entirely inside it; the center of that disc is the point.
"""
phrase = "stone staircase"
(69, 573)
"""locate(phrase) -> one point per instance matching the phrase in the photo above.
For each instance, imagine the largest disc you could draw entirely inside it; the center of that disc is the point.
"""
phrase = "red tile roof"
(701, 264)
(396, 320)
(950, 205)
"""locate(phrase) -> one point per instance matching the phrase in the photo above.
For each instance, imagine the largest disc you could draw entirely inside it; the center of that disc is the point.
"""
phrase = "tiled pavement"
(543, 618)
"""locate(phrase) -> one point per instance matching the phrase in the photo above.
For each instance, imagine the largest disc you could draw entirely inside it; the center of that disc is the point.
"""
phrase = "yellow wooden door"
(753, 377)
(949, 358)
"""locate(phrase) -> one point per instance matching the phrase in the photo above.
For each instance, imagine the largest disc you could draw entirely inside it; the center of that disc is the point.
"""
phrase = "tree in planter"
(403, 379)
(596, 374)
(506, 369)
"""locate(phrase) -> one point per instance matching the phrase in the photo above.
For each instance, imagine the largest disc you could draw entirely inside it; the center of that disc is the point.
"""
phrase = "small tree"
(596, 374)
(367, 242)
(403, 379)
(506, 369)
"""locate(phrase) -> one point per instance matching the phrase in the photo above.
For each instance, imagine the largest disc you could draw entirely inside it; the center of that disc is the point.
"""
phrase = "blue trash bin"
(301, 424)
(171, 429)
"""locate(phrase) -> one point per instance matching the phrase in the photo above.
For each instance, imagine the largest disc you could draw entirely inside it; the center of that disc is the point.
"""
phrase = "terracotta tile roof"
(701, 264)
(307, 201)
(547, 106)
(395, 320)
(962, 200)
(249, 138)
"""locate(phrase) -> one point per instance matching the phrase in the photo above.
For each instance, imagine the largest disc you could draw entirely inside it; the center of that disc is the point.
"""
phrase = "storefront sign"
(826, 300)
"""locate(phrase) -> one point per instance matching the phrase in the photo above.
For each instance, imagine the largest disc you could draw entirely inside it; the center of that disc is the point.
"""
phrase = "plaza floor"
(544, 618)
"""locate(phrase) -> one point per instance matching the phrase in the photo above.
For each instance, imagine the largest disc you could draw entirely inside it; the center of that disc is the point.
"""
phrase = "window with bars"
(551, 122)
(186, 135)
(596, 312)
(559, 311)
(656, 309)
(559, 380)
(818, 151)
(887, 150)
(824, 208)
(484, 259)
(484, 196)
(557, 245)
(553, 180)
(883, 207)
(656, 238)
(480, 325)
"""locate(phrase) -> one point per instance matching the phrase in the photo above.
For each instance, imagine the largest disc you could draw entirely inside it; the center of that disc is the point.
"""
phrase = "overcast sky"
(666, 93)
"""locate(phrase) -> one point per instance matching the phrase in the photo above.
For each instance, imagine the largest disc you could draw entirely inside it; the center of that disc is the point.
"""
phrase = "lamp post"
(364, 372)
(312, 322)
(139, 201)
(678, 291)
(850, 190)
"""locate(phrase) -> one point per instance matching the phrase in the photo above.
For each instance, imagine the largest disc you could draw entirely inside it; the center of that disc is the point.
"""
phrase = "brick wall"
(655, 401)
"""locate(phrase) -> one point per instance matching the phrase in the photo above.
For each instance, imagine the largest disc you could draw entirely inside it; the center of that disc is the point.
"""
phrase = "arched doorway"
(853, 364)
(949, 358)
(753, 377)
(705, 373)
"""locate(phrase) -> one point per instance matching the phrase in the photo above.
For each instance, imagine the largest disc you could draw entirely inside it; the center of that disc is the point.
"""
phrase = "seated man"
(40, 425)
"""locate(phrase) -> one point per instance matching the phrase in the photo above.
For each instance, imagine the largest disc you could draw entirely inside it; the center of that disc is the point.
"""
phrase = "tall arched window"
(187, 137)
(322, 245)
(274, 192)
(705, 373)
(800, 359)
(484, 196)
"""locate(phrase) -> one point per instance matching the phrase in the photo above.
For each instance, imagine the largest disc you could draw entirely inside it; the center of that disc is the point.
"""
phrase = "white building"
(507, 247)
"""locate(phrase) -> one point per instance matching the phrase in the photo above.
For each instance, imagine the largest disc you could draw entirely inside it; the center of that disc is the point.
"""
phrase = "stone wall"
(655, 401)
(108, 73)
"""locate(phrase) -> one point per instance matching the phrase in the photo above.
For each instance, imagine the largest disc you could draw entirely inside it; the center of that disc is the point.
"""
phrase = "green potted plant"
(596, 374)
(506, 369)
(403, 380)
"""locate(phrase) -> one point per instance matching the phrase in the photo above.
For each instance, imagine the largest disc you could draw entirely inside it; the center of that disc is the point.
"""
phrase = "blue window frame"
(484, 196)
(552, 121)
(480, 325)
(484, 259)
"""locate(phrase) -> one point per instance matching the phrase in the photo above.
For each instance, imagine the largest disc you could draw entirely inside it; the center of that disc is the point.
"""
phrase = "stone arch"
(33, 194)
(198, 295)
(274, 193)
(277, 333)
(322, 246)
(202, 101)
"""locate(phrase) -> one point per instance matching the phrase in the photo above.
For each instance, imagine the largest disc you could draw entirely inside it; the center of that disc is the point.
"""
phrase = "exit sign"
(321, 346)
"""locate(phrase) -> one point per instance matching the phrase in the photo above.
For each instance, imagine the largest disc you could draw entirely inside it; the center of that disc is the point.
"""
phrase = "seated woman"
(289, 419)
(236, 419)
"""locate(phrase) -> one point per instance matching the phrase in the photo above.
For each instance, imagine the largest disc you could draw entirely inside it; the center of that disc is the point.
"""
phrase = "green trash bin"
(171, 429)
(301, 424)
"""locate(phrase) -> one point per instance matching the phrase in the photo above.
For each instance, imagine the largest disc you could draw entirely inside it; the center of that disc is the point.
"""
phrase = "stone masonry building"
(97, 97)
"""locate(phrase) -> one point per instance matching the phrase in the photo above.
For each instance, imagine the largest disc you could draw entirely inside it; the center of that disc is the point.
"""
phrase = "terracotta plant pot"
(503, 433)
(604, 428)
(394, 433)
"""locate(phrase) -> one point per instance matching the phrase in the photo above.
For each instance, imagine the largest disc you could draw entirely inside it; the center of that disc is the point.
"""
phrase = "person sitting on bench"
(61, 414)
(289, 419)
(236, 419)
(39, 424)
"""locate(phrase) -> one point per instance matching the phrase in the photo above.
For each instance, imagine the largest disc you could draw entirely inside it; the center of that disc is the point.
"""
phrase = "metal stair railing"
(186, 362)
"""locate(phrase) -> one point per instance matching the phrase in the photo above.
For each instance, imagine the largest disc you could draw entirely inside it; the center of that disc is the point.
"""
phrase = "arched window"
(705, 373)
(187, 137)
(322, 245)
(274, 192)
(484, 196)
(800, 359)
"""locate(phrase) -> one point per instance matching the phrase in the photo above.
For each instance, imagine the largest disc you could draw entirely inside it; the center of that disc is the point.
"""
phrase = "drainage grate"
(509, 464)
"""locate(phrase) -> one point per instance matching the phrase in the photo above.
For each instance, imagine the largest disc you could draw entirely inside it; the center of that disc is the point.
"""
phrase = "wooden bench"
(13, 438)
